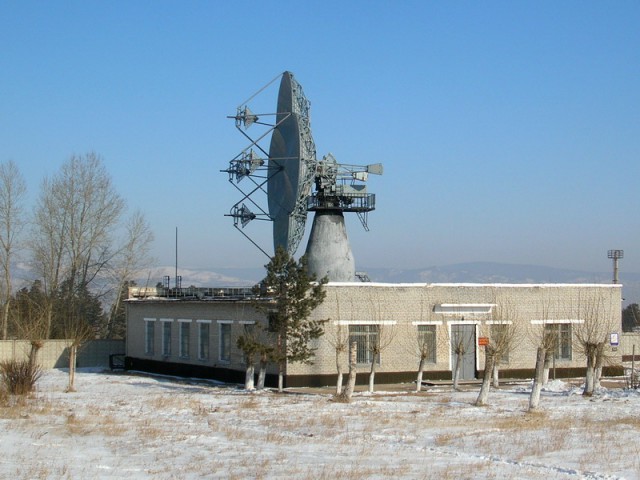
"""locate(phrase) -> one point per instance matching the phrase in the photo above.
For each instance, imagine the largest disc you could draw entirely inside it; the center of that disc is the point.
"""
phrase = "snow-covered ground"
(136, 427)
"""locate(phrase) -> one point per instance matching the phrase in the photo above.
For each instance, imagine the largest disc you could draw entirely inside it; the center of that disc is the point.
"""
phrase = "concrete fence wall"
(55, 353)
(627, 342)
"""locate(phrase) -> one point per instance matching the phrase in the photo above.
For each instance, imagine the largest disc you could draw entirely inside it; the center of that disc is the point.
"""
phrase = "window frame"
(184, 341)
(166, 336)
(430, 329)
(149, 336)
(224, 341)
(563, 332)
(204, 344)
(363, 335)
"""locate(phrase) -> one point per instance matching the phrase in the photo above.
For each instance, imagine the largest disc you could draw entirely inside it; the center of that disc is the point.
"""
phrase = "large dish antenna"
(292, 160)
(286, 174)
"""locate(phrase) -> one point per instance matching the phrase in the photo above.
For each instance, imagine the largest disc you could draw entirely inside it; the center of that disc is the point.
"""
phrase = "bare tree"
(74, 221)
(129, 259)
(31, 318)
(536, 388)
(546, 341)
(490, 354)
(601, 358)
(338, 338)
(504, 334)
(77, 331)
(12, 192)
(426, 350)
(459, 348)
(379, 337)
(353, 371)
(421, 339)
(596, 323)
(47, 244)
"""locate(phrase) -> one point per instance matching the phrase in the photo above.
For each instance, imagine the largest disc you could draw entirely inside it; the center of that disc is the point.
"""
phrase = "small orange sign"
(483, 341)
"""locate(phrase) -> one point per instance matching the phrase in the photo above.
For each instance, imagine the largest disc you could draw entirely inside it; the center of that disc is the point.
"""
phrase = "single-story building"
(193, 332)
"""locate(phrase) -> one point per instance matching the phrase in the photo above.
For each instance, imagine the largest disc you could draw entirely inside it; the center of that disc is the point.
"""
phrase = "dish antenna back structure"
(292, 181)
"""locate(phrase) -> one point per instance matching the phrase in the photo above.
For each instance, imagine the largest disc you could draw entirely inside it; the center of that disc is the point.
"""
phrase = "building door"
(463, 340)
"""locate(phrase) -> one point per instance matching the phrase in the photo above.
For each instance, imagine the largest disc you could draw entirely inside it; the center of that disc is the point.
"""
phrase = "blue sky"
(509, 131)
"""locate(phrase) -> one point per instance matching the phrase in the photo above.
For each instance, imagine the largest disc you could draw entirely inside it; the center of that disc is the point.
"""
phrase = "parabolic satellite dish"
(287, 176)
(292, 159)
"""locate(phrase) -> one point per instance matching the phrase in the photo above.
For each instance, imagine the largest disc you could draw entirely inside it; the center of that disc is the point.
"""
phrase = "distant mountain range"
(475, 272)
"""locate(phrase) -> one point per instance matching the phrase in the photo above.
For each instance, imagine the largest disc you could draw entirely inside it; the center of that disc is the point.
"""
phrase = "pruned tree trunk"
(49, 319)
(495, 374)
(73, 353)
(456, 370)
(248, 377)
(534, 399)
(262, 374)
(281, 377)
(351, 379)
(5, 316)
(489, 362)
(423, 360)
(599, 364)
(591, 352)
(548, 361)
(372, 373)
(36, 345)
(340, 374)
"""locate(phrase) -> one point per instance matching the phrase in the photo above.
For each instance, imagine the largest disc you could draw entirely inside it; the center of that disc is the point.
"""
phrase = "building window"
(500, 337)
(225, 342)
(203, 340)
(166, 338)
(248, 329)
(149, 326)
(366, 338)
(560, 337)
(427, 341)
(184, 339)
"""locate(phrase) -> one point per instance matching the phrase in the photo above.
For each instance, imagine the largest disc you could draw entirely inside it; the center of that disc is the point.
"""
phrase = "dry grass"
(254, 436)
(40, 470)
(149, 430)
(24, 406)
(350, 472)
(249, 403)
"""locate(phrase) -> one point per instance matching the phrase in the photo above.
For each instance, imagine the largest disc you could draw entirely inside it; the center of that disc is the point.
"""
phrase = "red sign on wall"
(483, 341)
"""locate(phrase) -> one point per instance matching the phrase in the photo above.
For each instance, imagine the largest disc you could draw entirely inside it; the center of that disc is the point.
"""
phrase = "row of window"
(367, 338)
(184, 332)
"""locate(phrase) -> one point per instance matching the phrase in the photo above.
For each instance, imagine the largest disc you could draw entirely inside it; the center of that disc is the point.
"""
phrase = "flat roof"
(500, 285)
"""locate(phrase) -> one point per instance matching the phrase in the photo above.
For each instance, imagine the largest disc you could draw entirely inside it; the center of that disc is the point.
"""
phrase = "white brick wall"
(397, 307)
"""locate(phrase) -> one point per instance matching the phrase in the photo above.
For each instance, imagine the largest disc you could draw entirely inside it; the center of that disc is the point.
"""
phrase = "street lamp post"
(615, 255)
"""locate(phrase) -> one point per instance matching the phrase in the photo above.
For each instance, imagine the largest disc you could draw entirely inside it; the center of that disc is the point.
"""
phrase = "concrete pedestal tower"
(328, 251)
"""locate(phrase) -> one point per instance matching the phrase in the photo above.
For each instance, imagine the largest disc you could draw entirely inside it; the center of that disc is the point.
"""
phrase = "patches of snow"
(166, 427)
